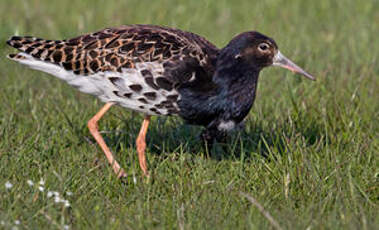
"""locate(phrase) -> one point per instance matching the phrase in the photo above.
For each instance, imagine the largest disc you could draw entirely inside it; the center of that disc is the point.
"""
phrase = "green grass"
(308, 155)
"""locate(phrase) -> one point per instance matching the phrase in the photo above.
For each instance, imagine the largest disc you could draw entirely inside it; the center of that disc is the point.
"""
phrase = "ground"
(308, 155)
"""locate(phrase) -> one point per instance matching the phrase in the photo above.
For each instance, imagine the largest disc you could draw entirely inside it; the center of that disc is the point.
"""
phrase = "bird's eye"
(263, 47)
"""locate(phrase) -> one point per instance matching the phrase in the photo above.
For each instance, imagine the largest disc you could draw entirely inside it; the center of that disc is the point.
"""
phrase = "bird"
(159, 71)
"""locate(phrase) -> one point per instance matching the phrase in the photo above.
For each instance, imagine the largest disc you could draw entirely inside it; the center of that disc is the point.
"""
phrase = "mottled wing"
(116, 48)
(130, 58)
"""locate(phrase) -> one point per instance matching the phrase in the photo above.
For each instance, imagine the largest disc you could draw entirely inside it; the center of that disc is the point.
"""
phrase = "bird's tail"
(40, 54)
(38, 48)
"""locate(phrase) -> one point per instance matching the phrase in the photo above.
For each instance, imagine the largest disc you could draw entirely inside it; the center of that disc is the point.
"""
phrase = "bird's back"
(139, 66)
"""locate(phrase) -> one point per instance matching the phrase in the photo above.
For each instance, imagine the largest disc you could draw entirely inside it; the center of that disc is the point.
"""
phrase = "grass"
(308, 155)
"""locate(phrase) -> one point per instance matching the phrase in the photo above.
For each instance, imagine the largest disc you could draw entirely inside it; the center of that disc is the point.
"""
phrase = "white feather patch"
(226, 126)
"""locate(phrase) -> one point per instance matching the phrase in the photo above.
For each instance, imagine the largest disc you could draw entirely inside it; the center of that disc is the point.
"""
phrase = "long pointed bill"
(282, 61)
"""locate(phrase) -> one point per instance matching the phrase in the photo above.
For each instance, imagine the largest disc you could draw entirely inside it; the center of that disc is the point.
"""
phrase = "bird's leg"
(221, 138)
(141, 145)
(207, 138)
(209, 135)
(93, 128)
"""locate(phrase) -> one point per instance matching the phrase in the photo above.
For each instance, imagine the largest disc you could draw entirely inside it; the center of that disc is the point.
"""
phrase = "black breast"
(229, 96)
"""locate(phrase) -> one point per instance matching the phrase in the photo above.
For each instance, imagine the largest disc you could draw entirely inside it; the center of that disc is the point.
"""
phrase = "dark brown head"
(256, 49)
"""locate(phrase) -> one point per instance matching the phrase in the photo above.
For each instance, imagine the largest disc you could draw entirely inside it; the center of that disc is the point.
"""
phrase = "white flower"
(2, 222)
(66, 227)
(66, 203)
(57, 199)
(69, 193)
(30, 182)
(17, 222)
(8, 185)
(56, 193)
(41, 188)
(41, 182)
(49, 194)
(134, 180)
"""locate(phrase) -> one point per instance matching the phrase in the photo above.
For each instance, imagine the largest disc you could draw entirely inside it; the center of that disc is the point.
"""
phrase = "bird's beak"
(282, 61)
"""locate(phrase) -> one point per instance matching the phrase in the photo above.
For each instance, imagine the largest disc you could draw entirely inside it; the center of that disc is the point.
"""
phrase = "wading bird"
(159, 71)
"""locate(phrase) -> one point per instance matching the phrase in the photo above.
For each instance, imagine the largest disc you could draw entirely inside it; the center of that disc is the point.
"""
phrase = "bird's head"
(256, 49)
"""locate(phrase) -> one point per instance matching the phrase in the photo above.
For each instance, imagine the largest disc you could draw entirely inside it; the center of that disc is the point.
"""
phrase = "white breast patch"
(226, 126)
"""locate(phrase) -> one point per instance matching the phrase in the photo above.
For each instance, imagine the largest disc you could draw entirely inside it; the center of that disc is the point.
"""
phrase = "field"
(308, 154)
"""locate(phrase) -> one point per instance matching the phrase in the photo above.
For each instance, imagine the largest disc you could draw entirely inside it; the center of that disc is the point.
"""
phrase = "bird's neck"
(229, 96)
(237, 80)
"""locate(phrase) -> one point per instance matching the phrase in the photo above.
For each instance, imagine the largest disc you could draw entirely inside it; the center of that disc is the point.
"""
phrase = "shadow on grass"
(167, 135)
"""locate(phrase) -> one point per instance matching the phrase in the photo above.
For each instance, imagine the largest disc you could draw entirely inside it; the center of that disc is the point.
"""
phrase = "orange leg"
(141, 145)
(93, 128)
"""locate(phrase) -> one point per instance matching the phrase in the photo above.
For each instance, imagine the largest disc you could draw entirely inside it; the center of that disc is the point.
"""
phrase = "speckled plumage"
(140, 66)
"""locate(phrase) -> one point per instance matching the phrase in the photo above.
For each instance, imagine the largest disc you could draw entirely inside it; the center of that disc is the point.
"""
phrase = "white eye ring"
(263, 47)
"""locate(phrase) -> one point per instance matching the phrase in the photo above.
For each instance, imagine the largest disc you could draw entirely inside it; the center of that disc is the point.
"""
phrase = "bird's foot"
(121, 174)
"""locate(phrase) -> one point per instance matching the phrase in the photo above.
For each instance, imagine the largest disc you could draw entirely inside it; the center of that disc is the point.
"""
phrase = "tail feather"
(18, 56)
(38, 54)
(23, 43)
(36, 47)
